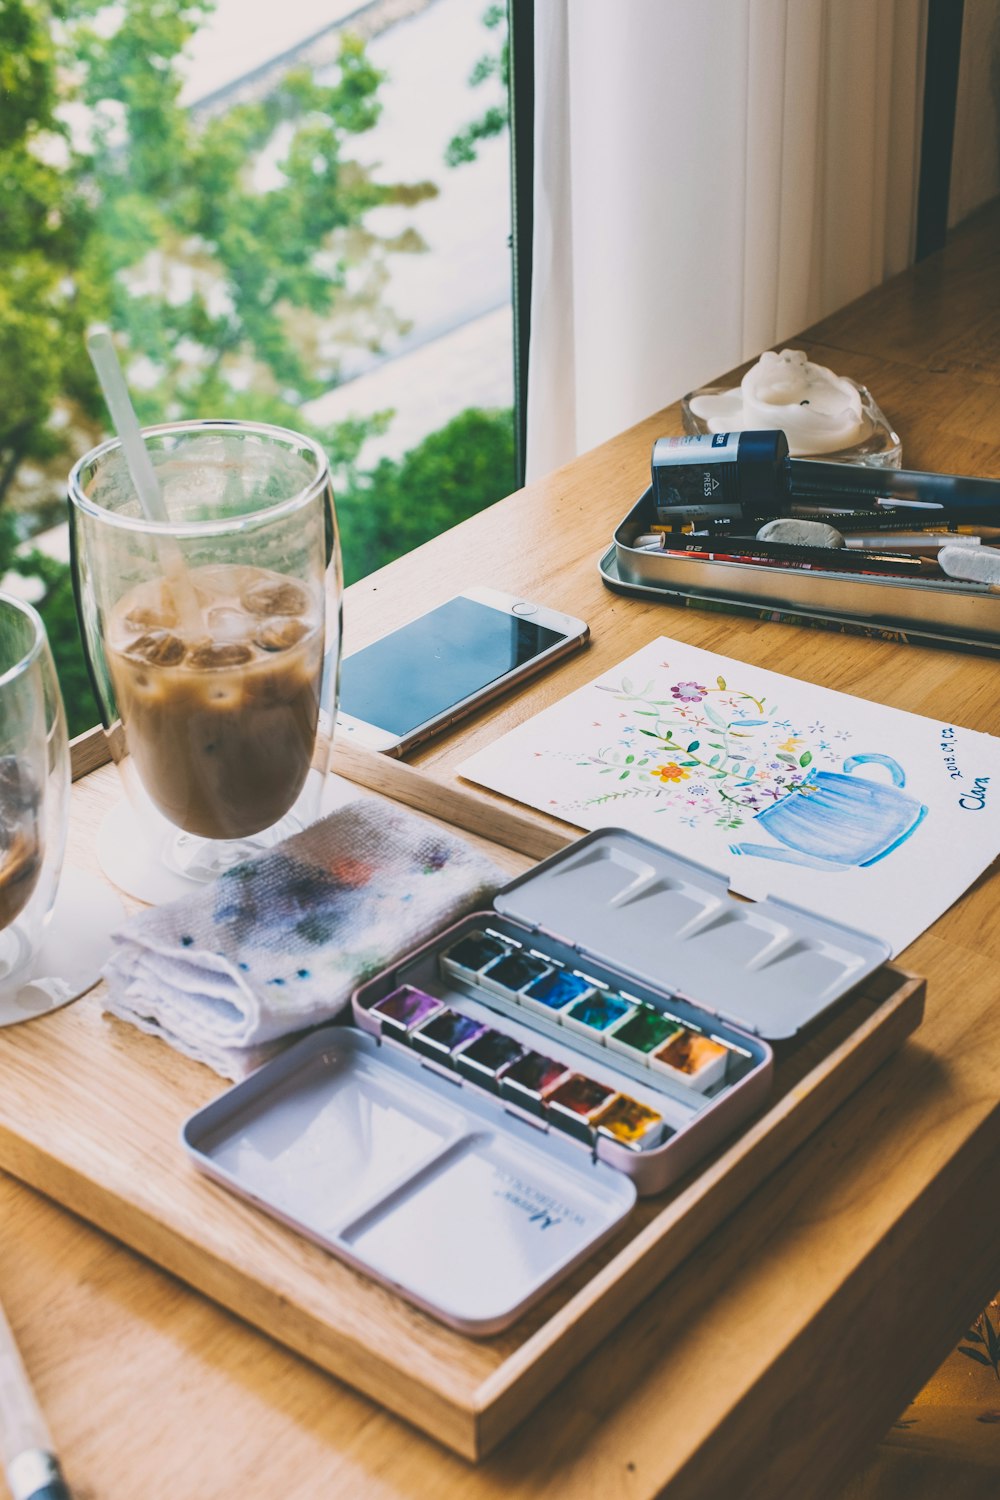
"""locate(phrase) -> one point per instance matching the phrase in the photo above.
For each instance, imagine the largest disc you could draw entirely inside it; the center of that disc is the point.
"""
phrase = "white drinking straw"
(104, 358)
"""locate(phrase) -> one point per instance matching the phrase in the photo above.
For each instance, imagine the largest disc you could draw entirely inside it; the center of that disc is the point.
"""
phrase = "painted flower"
(670, 772)
(689, 692)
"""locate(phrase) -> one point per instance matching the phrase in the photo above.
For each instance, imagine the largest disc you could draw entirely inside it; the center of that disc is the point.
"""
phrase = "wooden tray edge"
(426, 1407)
(522, 1381)
(513, 1390)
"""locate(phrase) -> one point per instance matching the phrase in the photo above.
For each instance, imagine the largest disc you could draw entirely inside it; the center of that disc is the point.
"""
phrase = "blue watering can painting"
(835, 820)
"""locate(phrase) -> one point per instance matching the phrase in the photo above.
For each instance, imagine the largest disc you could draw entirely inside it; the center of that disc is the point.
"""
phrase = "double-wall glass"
(213, 636)
(34, 789)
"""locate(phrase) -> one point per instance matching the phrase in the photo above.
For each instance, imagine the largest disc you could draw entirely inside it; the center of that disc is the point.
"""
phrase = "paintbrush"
(26, 1448)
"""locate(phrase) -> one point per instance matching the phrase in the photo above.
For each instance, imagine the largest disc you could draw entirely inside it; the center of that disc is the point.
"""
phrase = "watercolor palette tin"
(940, 612)
(438, 1192)
(510, 1086)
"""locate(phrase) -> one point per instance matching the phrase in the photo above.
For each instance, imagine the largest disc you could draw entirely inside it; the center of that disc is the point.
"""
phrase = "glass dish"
(879, 444)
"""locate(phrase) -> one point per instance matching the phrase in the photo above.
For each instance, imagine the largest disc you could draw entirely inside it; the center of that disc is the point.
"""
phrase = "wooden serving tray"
(90, 1113)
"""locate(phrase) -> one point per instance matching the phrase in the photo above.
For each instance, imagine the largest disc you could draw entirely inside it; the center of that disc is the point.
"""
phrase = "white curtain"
(711, 176)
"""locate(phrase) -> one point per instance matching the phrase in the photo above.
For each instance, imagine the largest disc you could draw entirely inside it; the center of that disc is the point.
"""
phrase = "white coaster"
(75, 944)
(165, 866)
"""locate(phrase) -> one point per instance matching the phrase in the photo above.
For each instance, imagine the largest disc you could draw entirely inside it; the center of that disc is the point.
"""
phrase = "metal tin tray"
(899, 608)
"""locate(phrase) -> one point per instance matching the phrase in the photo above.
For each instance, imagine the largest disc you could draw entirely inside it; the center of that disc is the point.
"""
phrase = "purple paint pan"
(404, 1009)
(444, 1034)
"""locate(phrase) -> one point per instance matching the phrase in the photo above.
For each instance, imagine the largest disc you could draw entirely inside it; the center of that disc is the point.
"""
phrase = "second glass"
(213, 638)
(34, 790)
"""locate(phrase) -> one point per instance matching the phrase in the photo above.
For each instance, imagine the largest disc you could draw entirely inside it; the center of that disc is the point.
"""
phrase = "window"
(298, 214)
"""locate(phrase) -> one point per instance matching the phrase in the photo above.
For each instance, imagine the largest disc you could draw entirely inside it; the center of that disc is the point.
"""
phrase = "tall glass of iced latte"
(213, 638)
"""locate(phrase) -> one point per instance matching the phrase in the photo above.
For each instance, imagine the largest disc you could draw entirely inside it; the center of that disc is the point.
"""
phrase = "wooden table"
(769, 1362)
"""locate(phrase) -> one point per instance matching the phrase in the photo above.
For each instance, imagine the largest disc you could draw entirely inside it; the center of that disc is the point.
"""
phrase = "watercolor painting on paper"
(864, 813)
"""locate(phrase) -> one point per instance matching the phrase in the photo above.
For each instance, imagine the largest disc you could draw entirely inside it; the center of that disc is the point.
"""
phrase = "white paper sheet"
(871, 816)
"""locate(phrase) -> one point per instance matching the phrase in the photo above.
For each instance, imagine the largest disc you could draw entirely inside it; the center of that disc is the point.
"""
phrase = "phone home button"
(524, 609)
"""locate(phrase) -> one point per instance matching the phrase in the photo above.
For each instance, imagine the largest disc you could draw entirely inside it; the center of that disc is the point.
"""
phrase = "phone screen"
(426, 667)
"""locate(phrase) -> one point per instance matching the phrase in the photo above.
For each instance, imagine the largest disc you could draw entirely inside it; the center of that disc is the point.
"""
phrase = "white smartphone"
(402, 688)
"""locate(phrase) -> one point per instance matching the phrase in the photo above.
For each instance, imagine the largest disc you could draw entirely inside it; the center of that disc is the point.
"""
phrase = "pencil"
(26, 1449)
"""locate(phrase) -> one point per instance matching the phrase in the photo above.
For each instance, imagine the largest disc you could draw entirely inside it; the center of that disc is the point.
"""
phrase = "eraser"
(797, 533)
(977, 564)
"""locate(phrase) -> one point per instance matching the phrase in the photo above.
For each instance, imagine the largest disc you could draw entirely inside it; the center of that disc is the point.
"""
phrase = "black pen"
(26, 1449)
(751, 476)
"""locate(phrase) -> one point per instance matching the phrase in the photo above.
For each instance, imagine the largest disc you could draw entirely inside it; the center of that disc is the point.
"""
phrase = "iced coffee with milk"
(221, 710)
(21, 844)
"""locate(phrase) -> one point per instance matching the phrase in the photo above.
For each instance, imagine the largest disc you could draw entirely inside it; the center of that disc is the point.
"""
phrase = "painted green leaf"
(716, 718)
(650, 732)
(788, 759)
(626, 684)
(629, 759)
(714, 761)
(623, 776)
(693, 746)
(805, 759)
(648, 713)
(688, 763)
(722, 683)
(975, 1354)
(975, 1337)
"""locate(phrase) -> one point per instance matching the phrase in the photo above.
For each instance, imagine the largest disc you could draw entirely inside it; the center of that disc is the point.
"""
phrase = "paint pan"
(506, 976)
(529, 1082)
(595, 1016)
(471, 953)
(575, 1105)
(696, 1059)
(444, 1034)
(550, 994)
(642, 1033)
(487, 1058)
(632, 1124)
(404, 1009)
(665, 956)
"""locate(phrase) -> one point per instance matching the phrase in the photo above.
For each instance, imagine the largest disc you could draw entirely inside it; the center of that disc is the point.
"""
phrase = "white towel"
(279, 943)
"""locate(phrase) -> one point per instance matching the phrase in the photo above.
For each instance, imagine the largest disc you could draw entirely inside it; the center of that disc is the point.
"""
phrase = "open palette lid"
(435, 1190)
(766, 966)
